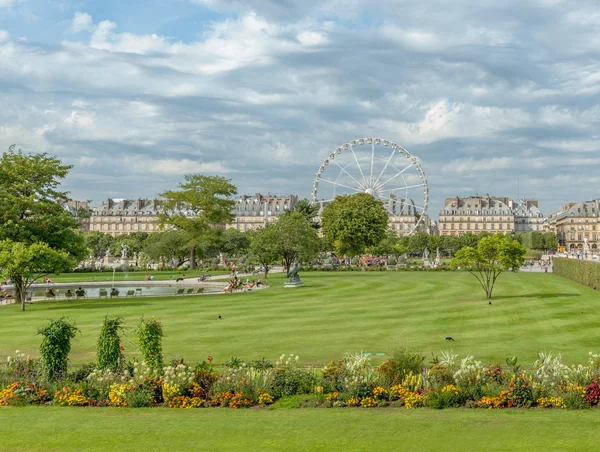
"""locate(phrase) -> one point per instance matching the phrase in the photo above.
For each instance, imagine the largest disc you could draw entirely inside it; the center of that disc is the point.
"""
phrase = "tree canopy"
(34, 220)
(353, 223)
(201, 207)
(494, 254)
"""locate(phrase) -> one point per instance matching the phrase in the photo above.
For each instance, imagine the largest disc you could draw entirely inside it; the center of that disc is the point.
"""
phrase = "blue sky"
(136, 94)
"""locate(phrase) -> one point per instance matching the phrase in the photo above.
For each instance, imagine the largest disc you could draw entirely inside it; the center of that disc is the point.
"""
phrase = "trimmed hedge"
(582, 272)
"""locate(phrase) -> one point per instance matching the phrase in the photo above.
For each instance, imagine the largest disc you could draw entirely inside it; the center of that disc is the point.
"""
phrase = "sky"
(491, 97)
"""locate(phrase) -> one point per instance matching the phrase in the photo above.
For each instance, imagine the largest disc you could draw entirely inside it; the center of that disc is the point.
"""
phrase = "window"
(500, 226)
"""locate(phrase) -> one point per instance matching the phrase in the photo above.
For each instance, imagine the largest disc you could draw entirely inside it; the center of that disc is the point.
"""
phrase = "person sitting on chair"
(259, 282)
(80, 292)
(114, 292)
(180, 279)
(50, 292)
(69, 293)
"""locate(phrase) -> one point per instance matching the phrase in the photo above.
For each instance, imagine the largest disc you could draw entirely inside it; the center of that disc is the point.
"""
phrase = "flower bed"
(352, 381)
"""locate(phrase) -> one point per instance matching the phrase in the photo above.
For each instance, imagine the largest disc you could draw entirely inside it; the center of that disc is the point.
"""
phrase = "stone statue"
(438, 256)
(107, 252)
(294, 280)
(124, 249)
(293, 273)
(426, 255)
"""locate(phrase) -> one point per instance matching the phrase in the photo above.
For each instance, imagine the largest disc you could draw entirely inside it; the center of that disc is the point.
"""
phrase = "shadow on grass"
(539, 295)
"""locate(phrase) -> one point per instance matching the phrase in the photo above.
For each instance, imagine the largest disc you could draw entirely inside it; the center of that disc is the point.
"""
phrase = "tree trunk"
(193, 258)
(20, 292)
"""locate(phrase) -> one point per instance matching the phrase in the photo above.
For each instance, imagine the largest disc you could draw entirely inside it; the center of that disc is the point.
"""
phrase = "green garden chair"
(190, 291)
(102, 293)
(200, 290)
(180, 291)
(130, 293)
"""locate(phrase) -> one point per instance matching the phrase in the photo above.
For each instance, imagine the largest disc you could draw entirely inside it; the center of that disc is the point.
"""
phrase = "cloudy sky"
(493, 97)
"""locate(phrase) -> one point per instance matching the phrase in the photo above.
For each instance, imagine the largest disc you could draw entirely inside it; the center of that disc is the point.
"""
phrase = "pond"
(97, 291)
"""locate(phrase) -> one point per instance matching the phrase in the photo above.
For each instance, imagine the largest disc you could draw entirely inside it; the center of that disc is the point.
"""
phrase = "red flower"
(209, 358)
(121, 347)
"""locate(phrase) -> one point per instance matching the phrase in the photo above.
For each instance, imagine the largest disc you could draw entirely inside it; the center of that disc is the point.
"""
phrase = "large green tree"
(263, 246)
(201, 206)
(234, 243)
(167, 246)
(494, 255)
(295, 238)
(353, 223)
(33, 219)
(309, 210)
(98, 242)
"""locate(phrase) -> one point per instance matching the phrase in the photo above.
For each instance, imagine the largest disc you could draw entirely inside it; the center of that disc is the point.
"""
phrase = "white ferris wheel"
(380, 168)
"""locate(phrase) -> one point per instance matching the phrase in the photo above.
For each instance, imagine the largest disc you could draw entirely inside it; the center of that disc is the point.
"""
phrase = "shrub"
(449, 396)
(56, 346)
(405, 361)
(583, 272)
(575, 397)
(150, 333)
(139, 398)
(109, 349)
(592, 393)
(521, 392)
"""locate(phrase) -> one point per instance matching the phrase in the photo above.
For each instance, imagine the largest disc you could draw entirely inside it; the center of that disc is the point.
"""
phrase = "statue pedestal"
(108, 260)
(291, 284)
(125, 263)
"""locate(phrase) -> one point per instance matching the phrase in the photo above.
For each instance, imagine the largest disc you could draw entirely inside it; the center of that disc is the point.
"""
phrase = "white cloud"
(9, 3)
(82, 22)
(178, 167)
(311, 38)
(4, 35)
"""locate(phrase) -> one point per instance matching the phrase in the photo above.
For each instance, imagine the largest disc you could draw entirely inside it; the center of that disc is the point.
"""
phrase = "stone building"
(476, 214)
(252, 212)
(124, 216)
(576, 224)
(528, 216)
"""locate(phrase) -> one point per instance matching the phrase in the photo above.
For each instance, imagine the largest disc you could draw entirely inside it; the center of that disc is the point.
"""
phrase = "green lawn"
(56, 428)
(337, 313)
(130, 276)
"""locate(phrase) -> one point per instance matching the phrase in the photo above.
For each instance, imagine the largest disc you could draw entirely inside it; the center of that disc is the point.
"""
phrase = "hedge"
(583, 272)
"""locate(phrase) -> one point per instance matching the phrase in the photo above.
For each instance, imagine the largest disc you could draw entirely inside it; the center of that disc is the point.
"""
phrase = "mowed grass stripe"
(337, 313)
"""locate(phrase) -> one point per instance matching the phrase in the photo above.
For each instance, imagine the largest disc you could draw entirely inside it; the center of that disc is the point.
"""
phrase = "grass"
(337, 313)
(64, 429)
(130, 276)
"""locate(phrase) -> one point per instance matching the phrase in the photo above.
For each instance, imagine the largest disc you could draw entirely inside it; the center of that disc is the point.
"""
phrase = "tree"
(166, 246)
(494, 254)
(418, 242)
(263, 246)
(200, 207)
(354, 222)
(234, 242)
(387, 246)
(295, 238)
(25, 264)
(136, 243)
(550, 241)
(34, 220)
(98, 242)
(310, 212)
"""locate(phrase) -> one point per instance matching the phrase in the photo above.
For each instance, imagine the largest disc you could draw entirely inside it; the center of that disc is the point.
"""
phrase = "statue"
(426, 255)
(293, 273)
(294, 280)
(124, 249)
(107, 252)
(438, 256)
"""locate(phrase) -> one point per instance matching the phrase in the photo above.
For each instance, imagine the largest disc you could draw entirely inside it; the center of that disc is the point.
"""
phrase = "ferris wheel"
(384, 170)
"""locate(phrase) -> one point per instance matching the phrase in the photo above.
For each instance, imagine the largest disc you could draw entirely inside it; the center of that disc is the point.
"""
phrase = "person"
(151, 278)
(259, 282)
(6, 293)
(80, 292)
(147, 277)
(50, 292)
(69, 293)
(180, 279)
(114, 292)
(47, 280)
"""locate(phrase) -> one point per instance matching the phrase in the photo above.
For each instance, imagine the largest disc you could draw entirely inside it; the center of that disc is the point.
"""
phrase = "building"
(476, 214)
(403, 215)
(576, 224)
(528, 216)
(123, 216)
(252, 212)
